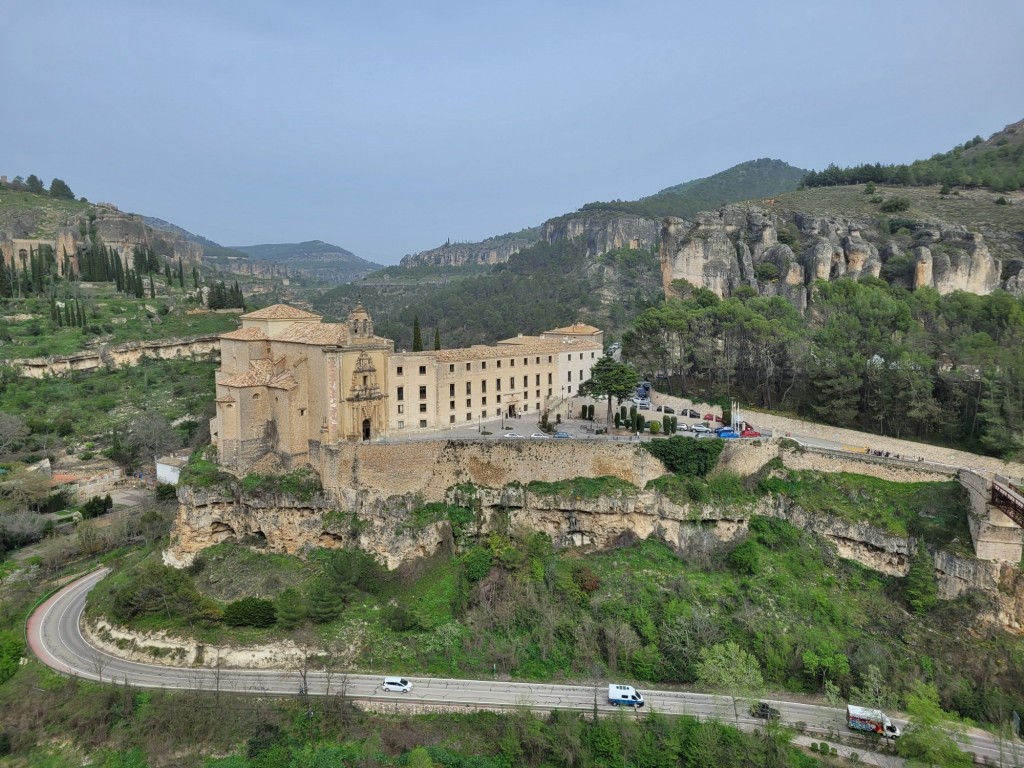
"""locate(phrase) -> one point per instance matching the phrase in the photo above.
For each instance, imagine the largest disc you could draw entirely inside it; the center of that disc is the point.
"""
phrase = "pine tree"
(291, 609)
(152, 286)
(417, 339)
(437, 339)
(324, 604)
(195, 278)
(181, 275)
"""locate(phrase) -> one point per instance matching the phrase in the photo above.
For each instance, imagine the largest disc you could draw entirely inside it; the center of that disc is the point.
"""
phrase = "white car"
(513, 435)
(701, 428)
(396, 685)
(540, 436)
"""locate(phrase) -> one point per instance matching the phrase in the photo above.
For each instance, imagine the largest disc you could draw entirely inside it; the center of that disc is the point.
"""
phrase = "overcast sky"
(388, 127)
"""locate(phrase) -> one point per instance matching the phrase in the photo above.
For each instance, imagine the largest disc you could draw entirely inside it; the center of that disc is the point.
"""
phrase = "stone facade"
(289, 383)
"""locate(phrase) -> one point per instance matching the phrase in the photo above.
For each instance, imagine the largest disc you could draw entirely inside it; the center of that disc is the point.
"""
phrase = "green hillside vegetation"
(546, 286)
(866, 355)
(308, 254)
(39, 215)
(747, 181)
(996, 163)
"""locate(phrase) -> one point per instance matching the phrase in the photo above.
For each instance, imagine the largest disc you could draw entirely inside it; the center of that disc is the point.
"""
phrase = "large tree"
(60, 190)
(612, 379)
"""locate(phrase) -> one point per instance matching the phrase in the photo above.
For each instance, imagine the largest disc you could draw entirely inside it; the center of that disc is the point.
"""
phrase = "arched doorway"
(366, 429)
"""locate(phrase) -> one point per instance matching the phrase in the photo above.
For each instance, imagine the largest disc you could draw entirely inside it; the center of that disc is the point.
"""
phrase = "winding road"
(55, 636)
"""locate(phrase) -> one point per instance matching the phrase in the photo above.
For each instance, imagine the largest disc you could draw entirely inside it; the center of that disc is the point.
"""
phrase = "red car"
(709, 417)
(750, 433)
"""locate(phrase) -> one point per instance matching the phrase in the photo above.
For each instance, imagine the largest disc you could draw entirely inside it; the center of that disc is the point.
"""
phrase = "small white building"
(168, 468)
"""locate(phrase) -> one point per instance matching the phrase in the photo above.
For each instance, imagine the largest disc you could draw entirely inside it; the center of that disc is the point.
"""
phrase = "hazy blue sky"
(387, 127)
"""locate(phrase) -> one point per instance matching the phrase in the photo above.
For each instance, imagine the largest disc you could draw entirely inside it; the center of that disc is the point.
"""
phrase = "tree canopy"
(611, 379)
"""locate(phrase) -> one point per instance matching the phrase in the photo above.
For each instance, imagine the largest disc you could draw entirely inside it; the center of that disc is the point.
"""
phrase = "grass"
(111, 318)
(583, 487)
(936, 511)
(976, 209)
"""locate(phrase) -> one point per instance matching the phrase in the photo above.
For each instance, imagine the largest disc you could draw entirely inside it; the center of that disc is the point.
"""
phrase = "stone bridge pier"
(996, 518)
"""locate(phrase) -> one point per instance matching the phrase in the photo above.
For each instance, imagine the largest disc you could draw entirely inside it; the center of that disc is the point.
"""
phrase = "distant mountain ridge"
(210, 249)
(625, 223)
(313, 258)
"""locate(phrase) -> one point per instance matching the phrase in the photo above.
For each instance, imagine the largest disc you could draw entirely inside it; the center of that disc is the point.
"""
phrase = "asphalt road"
(55, 637)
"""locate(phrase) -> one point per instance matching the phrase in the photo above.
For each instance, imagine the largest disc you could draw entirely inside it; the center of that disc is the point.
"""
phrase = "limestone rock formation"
(603, 232)
(782, 253)
(493, 250)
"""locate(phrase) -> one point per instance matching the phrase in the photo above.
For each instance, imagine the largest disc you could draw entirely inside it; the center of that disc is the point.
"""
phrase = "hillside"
(314, 259)
(746, 181)
(211, 249)
(996, 163)
(493, 250)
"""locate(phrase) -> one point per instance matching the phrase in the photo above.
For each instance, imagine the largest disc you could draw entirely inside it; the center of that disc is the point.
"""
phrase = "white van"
(396, 685)
(624, 695)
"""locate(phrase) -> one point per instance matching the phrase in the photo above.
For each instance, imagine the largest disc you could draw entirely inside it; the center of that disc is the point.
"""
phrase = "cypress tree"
(437, 339)
(67, 313)
(81, 313)
(195, 277)
(152, 286)
(181, 274)
(417, 339)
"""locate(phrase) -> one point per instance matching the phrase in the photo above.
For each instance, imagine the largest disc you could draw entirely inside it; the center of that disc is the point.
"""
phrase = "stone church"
(289, 383)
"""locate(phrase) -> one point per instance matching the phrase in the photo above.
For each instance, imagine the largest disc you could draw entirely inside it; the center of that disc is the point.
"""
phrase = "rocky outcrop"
(493, 250)
(782, 253)
(602, 232)
(67, 234)
(114, 356)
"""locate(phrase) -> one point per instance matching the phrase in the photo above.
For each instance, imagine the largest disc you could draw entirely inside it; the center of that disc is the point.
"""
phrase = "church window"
(255, 396)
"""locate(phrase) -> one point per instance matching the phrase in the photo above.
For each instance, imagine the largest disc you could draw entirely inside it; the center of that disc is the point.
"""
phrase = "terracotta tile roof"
(324, 334)
(59, 478)
(225, 399)
(280, 312)
(245, 334)
(576, 329)
(512, 348)
(260, 374)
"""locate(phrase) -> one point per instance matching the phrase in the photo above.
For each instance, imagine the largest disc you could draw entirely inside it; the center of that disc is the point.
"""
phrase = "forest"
(947, 369)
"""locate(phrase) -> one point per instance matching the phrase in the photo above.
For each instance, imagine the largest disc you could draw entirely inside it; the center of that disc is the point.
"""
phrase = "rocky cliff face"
(382, 526)
(493, 250)
(782, 254)
(67, 233)
(602, 232)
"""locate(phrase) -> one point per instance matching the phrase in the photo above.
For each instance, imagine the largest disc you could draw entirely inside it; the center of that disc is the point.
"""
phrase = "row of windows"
(400, 370)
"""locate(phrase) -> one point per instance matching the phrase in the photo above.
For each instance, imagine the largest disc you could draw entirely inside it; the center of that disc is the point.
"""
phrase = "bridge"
(1008, 498)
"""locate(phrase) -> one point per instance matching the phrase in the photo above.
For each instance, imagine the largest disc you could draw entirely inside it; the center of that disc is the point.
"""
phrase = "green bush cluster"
(250, 612)
(686, 456)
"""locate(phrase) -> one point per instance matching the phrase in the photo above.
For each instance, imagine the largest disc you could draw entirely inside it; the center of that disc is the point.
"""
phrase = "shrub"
(746, 558)
(686, 456)
(869, 188)
(250, 612)
(585, 578)
(895, 205)
(166, 491)
(1001, 200)
(766, 271)
(477, 561)
(655, 427)
(400, 619)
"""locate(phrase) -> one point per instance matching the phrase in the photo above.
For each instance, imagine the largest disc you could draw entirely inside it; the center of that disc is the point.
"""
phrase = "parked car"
(563, 435)
(540, 436)
(728, 434)
(764, 711)
(701, 429)
(708, 417)
(513, 435)
(396, 685)
(748, 432)
(723, 428)
(690, 413)
(665, 409)
(709, 433)
(682, 427)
